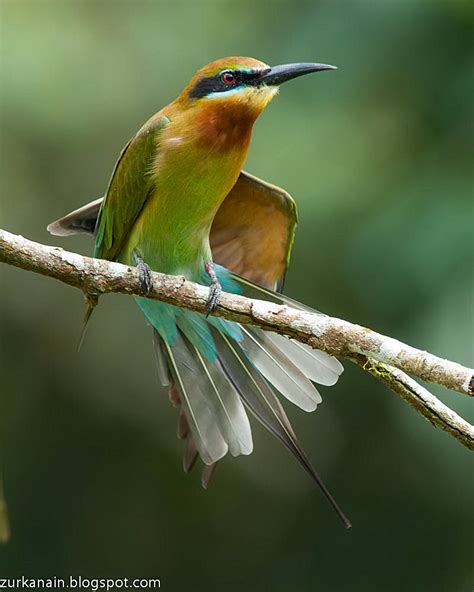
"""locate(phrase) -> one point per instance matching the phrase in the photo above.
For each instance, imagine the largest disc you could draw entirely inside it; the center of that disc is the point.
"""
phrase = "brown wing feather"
(252, 233)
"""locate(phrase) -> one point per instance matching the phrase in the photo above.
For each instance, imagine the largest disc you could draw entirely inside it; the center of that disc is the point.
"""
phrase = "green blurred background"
(379, 158)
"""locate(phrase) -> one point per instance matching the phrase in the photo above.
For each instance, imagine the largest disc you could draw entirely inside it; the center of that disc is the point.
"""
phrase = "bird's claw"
(215, 289)
(144, 275)
(213, 300)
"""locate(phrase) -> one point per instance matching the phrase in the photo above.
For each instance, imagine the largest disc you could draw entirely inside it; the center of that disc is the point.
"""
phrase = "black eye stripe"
(206, 86)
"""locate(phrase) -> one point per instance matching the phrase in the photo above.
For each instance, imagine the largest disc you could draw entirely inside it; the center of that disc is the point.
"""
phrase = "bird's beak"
(279, 74)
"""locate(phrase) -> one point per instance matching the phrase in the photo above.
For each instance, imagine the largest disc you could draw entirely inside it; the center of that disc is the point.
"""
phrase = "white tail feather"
(280, 371)
(201, 419)
(316, 365)
(229, 411)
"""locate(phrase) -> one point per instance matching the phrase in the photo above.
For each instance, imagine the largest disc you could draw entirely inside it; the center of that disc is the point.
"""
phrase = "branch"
(378, 354)
(420, 399)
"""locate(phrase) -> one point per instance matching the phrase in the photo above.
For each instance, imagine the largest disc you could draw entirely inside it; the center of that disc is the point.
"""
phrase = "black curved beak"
(279, 74)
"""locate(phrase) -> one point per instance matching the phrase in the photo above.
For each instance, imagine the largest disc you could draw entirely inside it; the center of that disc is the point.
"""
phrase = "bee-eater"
(179, 202)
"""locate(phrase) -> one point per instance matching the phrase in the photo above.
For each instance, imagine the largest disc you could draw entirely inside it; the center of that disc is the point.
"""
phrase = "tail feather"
(207, 473)
(253, 290)
(192, 389)
(160, 357)
(210, 393)
(182, 431)
(190, 454)
(316, 365)
(216, 367)
(92, 301)
(264, 404)
(279, 370)
(173, 396)
(228, 409)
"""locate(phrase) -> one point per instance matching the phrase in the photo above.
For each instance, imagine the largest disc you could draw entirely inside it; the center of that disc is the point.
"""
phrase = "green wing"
(129, 187)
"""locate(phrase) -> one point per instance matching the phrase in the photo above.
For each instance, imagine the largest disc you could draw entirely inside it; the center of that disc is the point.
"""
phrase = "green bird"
(179, 202)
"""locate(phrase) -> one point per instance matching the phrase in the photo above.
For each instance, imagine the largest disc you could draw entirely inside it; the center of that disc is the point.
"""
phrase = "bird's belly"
(171, 233)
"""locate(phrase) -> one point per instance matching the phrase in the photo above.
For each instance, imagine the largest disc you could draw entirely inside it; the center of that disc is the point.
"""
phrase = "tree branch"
(378, 354)
(436, 412)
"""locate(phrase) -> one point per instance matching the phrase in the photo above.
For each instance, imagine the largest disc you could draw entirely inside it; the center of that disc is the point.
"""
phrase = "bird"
(179, 202)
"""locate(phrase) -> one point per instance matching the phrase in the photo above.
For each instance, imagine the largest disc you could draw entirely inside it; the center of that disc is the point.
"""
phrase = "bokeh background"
(379, 158)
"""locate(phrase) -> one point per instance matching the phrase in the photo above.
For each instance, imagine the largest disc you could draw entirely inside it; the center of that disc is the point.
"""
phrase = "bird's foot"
(213, 300)
(144, 274)
(215, 288)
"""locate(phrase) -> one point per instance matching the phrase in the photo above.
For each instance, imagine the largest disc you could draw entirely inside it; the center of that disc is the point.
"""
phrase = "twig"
(378, 354)
(436, 412)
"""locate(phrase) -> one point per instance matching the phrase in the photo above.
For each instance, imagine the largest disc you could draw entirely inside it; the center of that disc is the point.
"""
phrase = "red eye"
(228, 78)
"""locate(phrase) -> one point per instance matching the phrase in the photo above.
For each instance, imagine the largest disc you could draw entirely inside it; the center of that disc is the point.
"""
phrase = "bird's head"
(243, 83)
